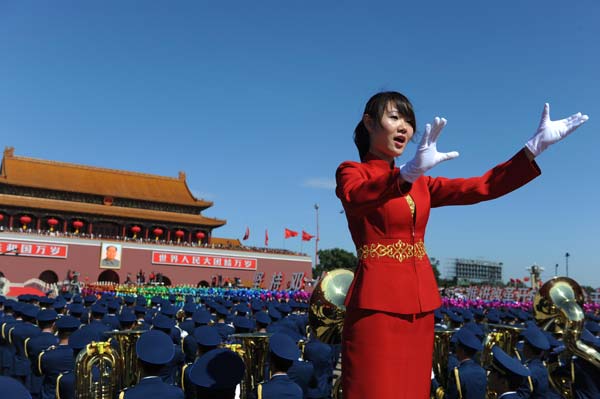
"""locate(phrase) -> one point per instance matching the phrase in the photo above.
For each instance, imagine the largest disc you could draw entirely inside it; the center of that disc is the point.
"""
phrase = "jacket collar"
(377, 162)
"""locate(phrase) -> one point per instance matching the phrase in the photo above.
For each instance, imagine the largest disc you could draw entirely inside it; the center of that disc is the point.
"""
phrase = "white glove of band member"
(427, 155)
(550, 132)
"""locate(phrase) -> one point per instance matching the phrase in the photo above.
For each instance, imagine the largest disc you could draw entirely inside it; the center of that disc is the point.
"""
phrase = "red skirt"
(387, 355)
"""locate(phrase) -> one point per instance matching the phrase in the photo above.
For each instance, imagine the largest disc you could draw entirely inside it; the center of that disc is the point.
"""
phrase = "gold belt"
(399, 250)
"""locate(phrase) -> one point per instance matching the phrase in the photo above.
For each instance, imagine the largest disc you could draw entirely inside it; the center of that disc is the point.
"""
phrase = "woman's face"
(390, 135)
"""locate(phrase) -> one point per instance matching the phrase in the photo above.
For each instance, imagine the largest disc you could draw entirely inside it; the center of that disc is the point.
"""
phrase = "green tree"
(335, 258)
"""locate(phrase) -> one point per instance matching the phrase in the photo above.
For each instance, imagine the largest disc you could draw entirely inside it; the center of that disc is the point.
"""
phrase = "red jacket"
(394, 273)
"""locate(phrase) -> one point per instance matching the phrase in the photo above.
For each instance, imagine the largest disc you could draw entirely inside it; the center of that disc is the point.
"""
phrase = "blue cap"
(77, 299)
(243, 322)
(536, 338)
(263, 318)
(45, 301)
(129, 300)
(163, 322)
(284, 346)
(589, 338)
(552, 340)
(218, 369)
(155, 347)
(80, 338)
(168, 310)
(30, 310)
(98, 308)
(76, 309)
(13, 389)
(222, 310)
(140, 309)
(592, 326)
(207, 336)
(127, 316)
(284, 307)
(67, 323)
(201, 317)
(88, 300)
(189, 307)
(506, 364)
(46, 315)
(242, 309)
(467, 338)
(155, 300)
(493, 318)
(257, 305)
(59, 303)
(454, 317)
(274, 314)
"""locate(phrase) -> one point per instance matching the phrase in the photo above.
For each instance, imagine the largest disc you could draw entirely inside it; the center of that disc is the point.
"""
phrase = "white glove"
(427, 155)
(550, 132)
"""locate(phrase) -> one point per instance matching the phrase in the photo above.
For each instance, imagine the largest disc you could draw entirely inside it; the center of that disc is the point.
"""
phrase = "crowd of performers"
(184, 355)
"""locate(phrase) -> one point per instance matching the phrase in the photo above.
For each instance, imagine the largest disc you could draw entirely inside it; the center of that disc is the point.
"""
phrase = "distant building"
(474, 271)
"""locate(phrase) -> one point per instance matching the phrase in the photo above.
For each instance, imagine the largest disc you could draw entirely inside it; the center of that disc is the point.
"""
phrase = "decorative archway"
(203, 284)
(109, 276)
(166, 281)
(49, 277)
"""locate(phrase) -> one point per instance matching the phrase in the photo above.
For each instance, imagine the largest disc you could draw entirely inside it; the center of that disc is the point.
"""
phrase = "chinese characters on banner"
(259, 277)
(41, 250)
(187, 259)
(489, 293)
(276, 281)
(297, 281)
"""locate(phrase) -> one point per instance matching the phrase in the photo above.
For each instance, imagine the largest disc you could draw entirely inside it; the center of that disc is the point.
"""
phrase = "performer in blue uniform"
(154, 350)
(216, 374)
(506, 374)
(283, 351)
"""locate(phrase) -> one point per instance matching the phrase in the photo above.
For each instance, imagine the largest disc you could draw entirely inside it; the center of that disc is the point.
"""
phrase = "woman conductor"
(389, 326)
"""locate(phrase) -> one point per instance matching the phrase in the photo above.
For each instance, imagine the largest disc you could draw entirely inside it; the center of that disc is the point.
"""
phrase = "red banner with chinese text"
(37, 249)
(195, 260)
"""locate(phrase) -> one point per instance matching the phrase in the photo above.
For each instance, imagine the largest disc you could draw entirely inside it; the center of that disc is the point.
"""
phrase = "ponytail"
(362, 140)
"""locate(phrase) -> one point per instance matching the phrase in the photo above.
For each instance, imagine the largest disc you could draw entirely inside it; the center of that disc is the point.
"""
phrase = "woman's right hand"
(427, 155)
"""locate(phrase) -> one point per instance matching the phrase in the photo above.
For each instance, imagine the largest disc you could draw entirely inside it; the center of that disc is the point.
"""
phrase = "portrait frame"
(112, 260)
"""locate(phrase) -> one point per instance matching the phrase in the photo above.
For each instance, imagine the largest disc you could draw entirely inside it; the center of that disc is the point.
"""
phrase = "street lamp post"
(556, 270)
(567, 262)
(317, 238)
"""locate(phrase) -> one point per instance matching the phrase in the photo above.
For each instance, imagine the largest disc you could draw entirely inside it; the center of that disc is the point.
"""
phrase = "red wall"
(84, 257)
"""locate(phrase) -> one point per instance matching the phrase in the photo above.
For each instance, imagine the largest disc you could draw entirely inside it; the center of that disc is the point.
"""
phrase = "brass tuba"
(327, 310)
(254, 351)
(127, 355)
(558, 307)
(505, 336)
(98, 369)
(441, 352)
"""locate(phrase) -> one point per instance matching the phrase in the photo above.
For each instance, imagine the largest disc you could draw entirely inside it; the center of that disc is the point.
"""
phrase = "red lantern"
(52, 222)
(77, 224)
(179, 234)
(526, 279)
(135, 230)
(200, 235)
(157, 232)
(1, 217)
(25, 220)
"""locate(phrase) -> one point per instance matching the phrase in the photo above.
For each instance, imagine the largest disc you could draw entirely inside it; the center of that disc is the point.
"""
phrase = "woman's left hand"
(550, 132)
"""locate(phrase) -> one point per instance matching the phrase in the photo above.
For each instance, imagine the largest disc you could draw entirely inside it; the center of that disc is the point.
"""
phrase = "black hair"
(279, 364)
(45, 324)
(375, 108)
(149, 369)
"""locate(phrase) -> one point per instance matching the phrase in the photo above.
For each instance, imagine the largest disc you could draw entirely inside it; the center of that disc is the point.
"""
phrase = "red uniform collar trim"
(374, 160)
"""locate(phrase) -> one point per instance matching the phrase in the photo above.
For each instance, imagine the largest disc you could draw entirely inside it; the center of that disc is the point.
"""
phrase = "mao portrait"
(110, 256)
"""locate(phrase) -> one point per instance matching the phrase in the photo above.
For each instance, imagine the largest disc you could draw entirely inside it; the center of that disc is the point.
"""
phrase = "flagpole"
(317, 238)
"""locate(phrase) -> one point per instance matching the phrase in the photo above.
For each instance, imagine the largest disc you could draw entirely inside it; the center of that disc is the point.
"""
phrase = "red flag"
(247, 234)
(290, 233)
(306, 236)
(266, 238)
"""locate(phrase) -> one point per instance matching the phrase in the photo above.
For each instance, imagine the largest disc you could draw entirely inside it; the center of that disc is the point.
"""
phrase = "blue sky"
(257, 102)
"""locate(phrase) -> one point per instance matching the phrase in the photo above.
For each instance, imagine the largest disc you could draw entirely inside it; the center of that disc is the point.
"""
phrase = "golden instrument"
(327, 310)
(505, 336)
(127, 355)
(98, 370)
(441, 351)
(254, 351)
(558, 307)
